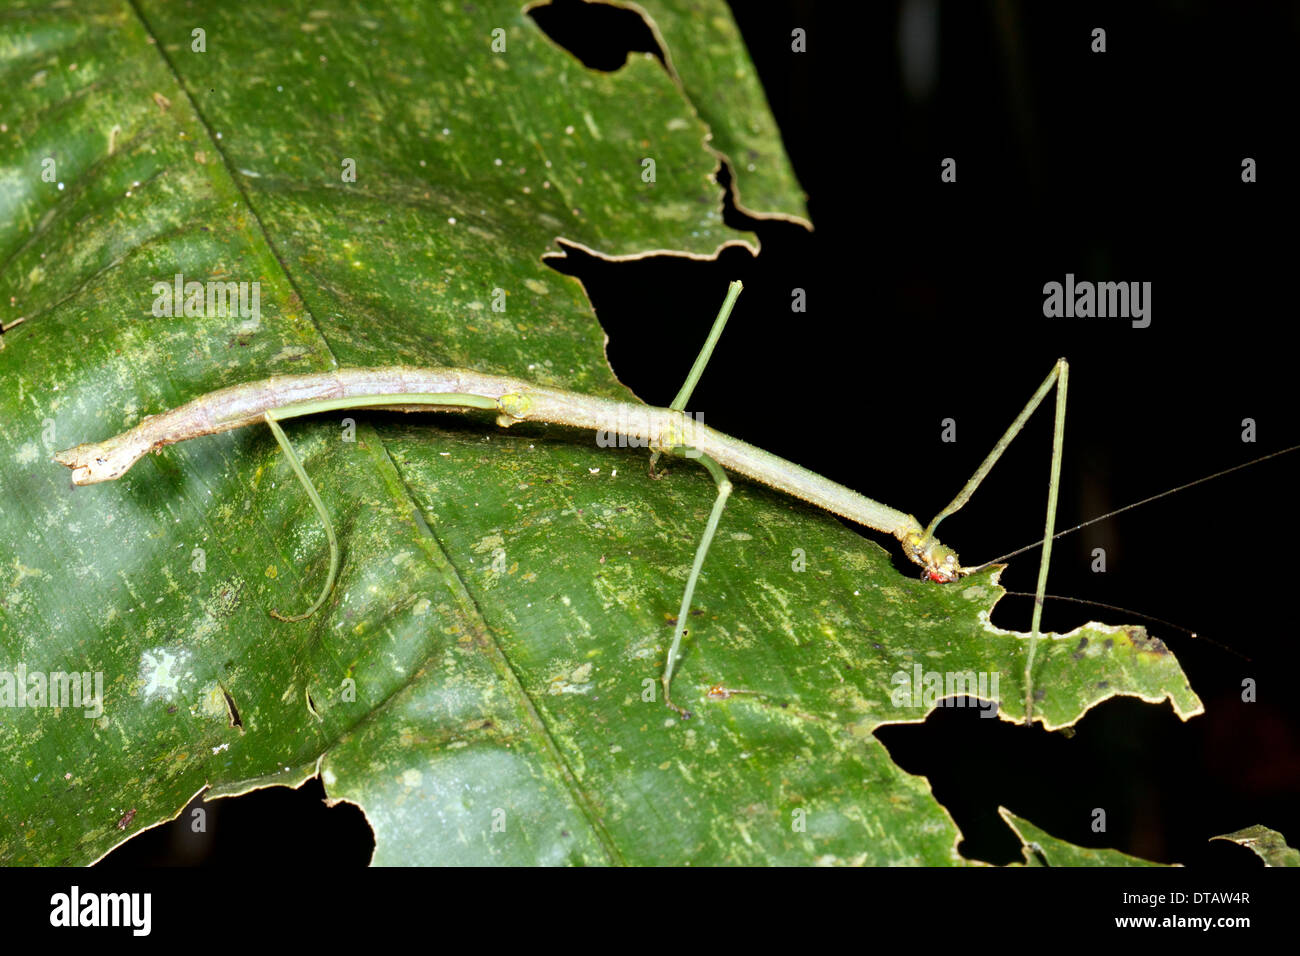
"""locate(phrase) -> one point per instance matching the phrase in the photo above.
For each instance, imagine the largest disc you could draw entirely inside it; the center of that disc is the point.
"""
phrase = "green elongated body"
(408, 388)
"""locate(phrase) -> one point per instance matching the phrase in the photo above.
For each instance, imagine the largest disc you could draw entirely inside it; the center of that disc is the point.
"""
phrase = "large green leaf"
(481, 681)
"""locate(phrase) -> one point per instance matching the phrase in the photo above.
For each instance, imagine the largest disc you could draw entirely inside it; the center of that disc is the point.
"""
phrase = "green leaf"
(481, 680)
(1041, 848)
(705, 51)
(1269, 845)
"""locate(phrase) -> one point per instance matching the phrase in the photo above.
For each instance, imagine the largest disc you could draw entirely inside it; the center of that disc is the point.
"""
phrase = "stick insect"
(664, 430)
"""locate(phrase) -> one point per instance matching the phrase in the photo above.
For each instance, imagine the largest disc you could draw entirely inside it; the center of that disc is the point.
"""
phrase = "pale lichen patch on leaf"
(165, 673)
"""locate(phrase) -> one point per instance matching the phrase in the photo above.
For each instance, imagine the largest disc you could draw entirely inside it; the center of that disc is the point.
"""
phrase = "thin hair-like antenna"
(1130, 507)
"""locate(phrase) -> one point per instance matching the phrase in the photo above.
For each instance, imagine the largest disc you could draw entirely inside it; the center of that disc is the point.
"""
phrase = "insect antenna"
(1135, 504)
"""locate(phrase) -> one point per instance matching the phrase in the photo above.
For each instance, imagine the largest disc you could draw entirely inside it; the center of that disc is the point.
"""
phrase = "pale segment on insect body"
(408, 388)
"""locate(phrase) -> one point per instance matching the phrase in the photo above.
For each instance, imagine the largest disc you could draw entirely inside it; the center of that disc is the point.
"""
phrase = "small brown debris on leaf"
(5, 328)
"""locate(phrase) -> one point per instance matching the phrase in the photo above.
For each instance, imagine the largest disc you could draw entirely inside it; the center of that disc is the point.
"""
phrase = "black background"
(925, 303)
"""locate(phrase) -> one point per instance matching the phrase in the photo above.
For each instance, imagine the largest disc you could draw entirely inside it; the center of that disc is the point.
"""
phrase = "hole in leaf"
(292, 824)
(232, 710)
(599, 35)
